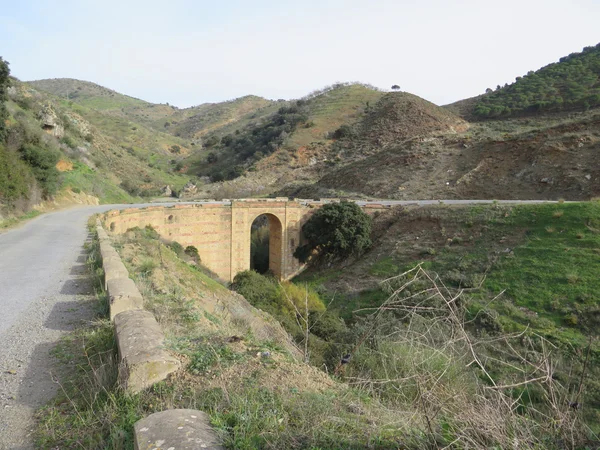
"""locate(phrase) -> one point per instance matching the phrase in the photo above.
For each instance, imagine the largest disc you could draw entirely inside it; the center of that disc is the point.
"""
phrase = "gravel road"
(45, 292)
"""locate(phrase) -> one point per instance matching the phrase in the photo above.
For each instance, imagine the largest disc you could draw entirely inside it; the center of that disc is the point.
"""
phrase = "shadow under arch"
(275, 241)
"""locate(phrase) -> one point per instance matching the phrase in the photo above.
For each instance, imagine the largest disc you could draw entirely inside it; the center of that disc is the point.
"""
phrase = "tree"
(212, 158)
(395, 87)
(4, 82)
(336, 230)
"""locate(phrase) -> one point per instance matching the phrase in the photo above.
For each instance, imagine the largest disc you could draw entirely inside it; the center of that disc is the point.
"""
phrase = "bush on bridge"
(337, 230)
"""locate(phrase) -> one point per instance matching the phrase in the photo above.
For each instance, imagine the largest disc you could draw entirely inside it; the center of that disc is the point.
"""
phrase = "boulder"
(166, 191)
(50, 121)
(144, 361)
(189, 189)
(181, 429)
(123, 295)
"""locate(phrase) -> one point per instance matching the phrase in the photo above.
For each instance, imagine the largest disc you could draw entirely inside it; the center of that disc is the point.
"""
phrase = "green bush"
(176, 247)
(43, 165)
(192, 252)
(259, 290)
(212, 141)
(336, 230)
(15, 177)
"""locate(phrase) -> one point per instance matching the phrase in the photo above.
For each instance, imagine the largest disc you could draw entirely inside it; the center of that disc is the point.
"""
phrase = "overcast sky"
(189, 52)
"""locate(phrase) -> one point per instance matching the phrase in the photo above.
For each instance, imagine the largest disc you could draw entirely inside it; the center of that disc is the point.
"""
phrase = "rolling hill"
(572, 83)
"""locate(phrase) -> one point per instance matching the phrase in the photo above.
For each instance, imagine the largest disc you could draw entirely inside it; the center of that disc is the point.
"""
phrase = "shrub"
(4, 82)
(43, 164)
(212, 141)
(130, 187)
(212, 158)
(299, 298)
(176, 247)
(336, 230)
(15, 177)
(342, 132)
(260, 291)
(192, 252)
(68, 141)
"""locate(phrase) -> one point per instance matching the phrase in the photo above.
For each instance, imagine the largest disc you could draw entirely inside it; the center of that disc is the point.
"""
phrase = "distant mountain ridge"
(353, 140)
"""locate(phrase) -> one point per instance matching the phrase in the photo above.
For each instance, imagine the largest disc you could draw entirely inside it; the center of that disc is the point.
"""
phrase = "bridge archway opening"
(266, 235)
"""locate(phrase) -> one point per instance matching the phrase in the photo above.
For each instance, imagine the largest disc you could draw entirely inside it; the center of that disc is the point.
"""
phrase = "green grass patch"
(14, 221)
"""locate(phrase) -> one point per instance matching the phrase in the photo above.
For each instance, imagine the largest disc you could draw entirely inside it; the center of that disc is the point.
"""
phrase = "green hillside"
(285, 133)
(572, 83)
(50, 146)
(196, 122)
(87, 94)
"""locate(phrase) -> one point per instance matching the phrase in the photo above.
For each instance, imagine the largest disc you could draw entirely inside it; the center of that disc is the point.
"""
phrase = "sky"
(186, 52)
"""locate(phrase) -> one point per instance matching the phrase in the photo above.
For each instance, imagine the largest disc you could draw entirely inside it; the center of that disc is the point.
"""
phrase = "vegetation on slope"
(419, 372)
(571, 83)
(52, 146)
(336, 230)
(285, 136)
(529, 270)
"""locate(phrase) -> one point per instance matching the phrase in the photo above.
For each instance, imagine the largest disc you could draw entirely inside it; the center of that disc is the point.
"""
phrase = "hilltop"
(572, 83)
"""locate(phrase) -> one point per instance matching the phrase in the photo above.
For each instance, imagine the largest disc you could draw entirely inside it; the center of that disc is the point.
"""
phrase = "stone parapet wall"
(221, 232)
(139, 337)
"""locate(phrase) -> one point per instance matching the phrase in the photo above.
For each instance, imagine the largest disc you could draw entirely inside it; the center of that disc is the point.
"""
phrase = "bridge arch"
(276, 239)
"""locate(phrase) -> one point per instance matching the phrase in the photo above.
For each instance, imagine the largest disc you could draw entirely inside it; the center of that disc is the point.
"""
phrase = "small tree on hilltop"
(337, 230)
(395, 87)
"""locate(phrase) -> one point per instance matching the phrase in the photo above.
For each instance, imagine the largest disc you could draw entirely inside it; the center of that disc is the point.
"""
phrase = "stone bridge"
(221, 231)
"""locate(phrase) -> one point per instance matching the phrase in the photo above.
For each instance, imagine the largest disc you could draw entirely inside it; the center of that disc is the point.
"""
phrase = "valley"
(452, 304)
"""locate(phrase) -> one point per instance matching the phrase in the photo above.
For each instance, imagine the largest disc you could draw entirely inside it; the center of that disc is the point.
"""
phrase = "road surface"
(45, 292)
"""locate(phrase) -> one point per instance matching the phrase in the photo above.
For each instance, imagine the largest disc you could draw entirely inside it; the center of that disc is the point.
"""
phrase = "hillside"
(494, 160)
(273, 150)
(538, 139)
(193, 123)
(533, 266)
(187, 123)
(57, 148)
(573, 83)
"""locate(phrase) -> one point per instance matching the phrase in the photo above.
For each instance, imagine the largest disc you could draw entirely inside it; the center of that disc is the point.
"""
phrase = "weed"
(573, 278)
(146, 267)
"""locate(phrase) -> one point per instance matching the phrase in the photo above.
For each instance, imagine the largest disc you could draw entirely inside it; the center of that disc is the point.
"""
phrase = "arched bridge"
(221, 230)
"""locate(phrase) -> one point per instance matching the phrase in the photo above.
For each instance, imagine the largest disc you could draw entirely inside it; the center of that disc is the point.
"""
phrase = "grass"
(260, 397)
(541, 260)
(18, 220)
(256, 394)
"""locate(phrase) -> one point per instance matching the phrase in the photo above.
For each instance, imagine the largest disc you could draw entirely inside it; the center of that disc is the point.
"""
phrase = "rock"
(588, 177)
(190, 188)
(166, 191)
(545, 180)
(141, 342)
(181, 429)
(50, 122)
